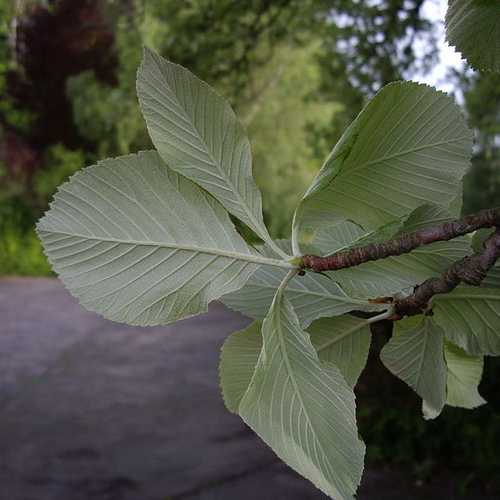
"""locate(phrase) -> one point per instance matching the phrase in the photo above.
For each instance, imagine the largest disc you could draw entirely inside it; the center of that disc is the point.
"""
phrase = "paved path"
(94, 410)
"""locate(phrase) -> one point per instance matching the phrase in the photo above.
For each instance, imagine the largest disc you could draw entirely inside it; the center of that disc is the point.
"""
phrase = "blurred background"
(297, 72)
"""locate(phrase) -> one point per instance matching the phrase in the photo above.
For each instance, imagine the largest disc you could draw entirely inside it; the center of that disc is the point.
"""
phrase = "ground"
(94, 410)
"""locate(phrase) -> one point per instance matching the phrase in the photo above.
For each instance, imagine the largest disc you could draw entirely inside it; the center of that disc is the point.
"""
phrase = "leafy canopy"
(147, 239)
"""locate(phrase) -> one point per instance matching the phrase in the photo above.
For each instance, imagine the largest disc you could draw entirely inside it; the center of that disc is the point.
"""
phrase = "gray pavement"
(91, 409)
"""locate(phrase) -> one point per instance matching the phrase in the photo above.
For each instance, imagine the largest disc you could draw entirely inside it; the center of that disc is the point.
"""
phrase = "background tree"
(482, 104)
(314, 61)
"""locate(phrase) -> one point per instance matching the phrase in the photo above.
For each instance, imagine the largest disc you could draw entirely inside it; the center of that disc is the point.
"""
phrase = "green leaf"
(409, 146)
(492, 279)
(470, 318)
(303, 410)
(479, 237)
(464, 376)
(343, 341)
(312, 296)
(198, 135)
(138, 243)
(394, 274)
(415, 355)
(456, 205)
(473, 27)
(239, 355)
(327, 239)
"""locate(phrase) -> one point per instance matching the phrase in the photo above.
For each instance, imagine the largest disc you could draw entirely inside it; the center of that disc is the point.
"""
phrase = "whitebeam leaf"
(343, 341)
(312, 296)
(238, 358)
(464, 376)
(409, 146)
(198, 135)
(415, 355)
(473, 27)
(470, 318)
(492, 279)
(304, 411)
(138, 243)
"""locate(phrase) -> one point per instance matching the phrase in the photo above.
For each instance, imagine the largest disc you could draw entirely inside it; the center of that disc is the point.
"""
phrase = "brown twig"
(404, 243)
(469, 270)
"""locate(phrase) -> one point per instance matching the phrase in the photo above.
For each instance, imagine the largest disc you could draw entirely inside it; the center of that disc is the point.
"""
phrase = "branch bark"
(404, 243)
(469, 270)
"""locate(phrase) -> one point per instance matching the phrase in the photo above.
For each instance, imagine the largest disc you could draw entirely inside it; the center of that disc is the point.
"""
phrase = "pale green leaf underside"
(238, 358)
(470, 318)
(415, 355)
(198, 135)
(409, 146)
(327, 239)
(464, 376)
(343, 341)
(473, 27)
(312, 296)
(303, 410)
(138, 243)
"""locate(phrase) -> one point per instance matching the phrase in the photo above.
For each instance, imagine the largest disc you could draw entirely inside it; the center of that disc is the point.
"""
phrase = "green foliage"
(274, 60)
(232, 38)
(343, 341)
(20, 249)
(472, 26)
(482, 104)
(302, 408)
(198, 135)
(63, 163)
(415, 354)
(459, 442)
(21, 254)
(147, 239)
(464, 375)
(278, 111)
(369, 45)
(312, 296)
(470, 316)
(109, 116)
(239, 355)
(111, 249)
(389, 162)
(390, 275)
(10, 113)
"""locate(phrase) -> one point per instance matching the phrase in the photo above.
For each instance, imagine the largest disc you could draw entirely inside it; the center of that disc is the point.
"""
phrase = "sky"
(435, 10)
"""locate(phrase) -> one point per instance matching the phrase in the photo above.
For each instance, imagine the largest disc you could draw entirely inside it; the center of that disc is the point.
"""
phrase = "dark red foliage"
(52, 44)
(20, 158)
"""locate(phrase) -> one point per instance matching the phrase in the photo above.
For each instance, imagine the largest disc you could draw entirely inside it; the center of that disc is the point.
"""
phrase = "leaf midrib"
(257, 259)
(349, 331)
(284, 352)
(257, 226)
(303, 291)
(400, 153)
